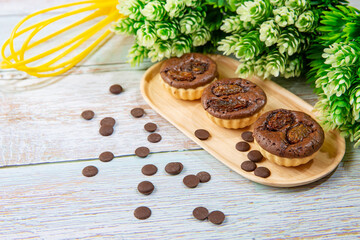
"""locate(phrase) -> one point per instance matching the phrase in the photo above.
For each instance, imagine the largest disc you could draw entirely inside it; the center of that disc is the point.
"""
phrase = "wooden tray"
(188, 116)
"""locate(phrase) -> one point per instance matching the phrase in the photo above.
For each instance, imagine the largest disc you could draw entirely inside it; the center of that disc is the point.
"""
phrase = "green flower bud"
(166, 30)
(293, 67)
(269, 32)
(175, 8)
(146, 35)
(249, 46)
(181, 45)
(277, 3)
(306, 22)
(246, 68)
(160, 50)
(290, 41)
(254, 11)
(342, 54)
(137, 54)
(275, 64)
(284, 16)
(300, 5)
(192, 21)
(201, 37)
(131, 8)
(154, 11)
(228, 44)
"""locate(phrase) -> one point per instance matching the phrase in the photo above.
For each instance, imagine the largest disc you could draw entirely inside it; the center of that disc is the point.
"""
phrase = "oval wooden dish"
(188, 116)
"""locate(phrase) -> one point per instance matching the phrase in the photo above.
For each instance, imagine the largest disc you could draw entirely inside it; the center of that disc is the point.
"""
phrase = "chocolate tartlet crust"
(191, 70)
(289, 134)
(233, 98)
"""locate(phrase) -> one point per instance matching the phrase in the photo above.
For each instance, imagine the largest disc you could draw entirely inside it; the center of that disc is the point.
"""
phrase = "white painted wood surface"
(44, 145)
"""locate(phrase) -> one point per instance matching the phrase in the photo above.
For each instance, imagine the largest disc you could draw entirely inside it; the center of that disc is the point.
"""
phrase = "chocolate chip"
(146, 187)
(149, 169)
(242, 146)
(174, 168)
(90, 171)
(191, 181)
(248, 166)
(116, 89)
(216, 217)
(137, 112)
(255, 156)
(108, 121)
(262, 172)
(106, 156)
(150, 127)
(247, 136)
(203, 176)
(142, 213)
(200, 213)
(87, 115)
(154, 138)
(142, 152)
(202, 134)
(106, 130)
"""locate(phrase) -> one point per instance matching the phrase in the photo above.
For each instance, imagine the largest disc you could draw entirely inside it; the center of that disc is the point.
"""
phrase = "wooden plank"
(54, 201)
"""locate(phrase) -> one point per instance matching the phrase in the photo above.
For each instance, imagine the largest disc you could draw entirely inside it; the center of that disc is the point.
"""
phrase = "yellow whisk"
(52, 67)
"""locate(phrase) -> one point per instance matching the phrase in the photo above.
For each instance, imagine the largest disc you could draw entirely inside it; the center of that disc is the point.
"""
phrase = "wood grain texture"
(188, 116)
(54, 201)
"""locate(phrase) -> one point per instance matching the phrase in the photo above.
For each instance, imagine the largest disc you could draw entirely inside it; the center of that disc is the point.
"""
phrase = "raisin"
(181, 76)
(278, 120)
(225, 90)
(298, 133)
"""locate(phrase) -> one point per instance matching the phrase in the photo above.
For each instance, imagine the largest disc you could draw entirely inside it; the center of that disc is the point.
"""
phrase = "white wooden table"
(44, 145)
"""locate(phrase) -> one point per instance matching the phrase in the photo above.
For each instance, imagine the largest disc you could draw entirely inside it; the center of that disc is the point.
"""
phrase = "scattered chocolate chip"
(90, 171)
(106, 156)
(154, 138)
(255, 156)
(149, 169)
(87, 115)
(108, 121)
(150, 127)
(191, 181)
(142, 152)
(142, 213)
(203, 176)
(146, 187)
(174, 168)
(202, 134)
(248, 166)
(262, 172)
(137, 112)
(106, 130)
(200, 213)
(247, 136)
(216, 217)
(242, 146)
(116, 89)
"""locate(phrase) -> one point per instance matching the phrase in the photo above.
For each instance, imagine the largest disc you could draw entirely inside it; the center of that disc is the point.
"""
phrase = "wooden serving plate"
(188, 116)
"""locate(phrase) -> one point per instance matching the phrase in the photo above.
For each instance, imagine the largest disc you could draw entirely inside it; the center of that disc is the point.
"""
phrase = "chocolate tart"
(233, 102)
(186, 77)
(288, 138)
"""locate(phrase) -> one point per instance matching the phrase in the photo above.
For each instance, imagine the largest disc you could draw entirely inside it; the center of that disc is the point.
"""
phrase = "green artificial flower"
(126, 25)
(355, 101)
(300, 5)
(201, 37)
(175, 8)
(232, 24)
(249, 46)
(254, 11)
(146, 35)
(181, 45)
(166, 30)
(290, 41)
(137, 54)
(192, 21)
(131, 8)
(245, 68)
(260, 67)
(342, 54)
(277, 3)
(269, 32)
(228, 44)
(306, 22)
(284, 16)
(275, 64)
(154, 11)
(160, 50)
(293, 67)
(192, 3)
